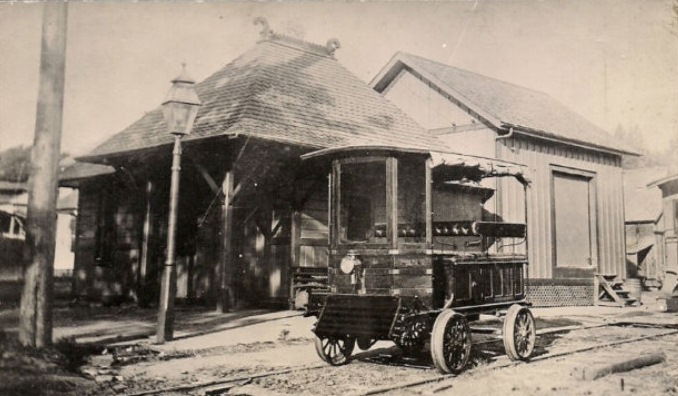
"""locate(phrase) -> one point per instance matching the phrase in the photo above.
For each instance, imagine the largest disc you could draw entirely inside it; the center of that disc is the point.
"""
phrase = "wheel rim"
(450, 342)
(520, 333)
(456, 343)
(524, 333)
(335, 351)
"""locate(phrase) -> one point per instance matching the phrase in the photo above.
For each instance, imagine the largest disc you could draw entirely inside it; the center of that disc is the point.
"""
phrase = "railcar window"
(363, 202)
(411, 200)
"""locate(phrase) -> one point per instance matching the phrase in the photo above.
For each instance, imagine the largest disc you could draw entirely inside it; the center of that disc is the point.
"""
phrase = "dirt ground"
(50, 372)
(217, 347)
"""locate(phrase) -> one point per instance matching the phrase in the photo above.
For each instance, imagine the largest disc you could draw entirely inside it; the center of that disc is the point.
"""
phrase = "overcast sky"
(614, 62)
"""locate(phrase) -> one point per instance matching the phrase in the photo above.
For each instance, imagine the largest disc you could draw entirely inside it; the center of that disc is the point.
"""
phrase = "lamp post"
(180, 109)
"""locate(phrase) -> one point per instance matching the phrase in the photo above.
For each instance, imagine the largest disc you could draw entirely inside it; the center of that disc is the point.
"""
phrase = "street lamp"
(180, 109)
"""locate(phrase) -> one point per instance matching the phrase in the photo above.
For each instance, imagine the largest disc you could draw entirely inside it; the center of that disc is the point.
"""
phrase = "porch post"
(334, 203)
(392, 202)
(142, 293)
(225, 266)
(429, 205)
(295, 249)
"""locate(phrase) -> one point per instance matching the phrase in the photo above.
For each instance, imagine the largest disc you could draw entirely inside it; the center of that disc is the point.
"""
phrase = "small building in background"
(667, 227)
(645, 253)
(12, 235)
(13, 205)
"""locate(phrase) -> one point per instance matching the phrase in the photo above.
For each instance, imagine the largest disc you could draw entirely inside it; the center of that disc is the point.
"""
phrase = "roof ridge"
(303, 45)
(478, 74)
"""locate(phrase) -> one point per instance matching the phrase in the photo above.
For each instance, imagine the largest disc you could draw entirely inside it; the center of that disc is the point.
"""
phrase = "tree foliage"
(15, 164)
(633, 139)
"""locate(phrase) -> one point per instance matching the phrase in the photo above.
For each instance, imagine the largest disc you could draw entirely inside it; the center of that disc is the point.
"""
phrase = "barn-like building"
(575, 203)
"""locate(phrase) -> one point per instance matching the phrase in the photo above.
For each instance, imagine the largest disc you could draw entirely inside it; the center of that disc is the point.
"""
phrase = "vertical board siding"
(539, 158)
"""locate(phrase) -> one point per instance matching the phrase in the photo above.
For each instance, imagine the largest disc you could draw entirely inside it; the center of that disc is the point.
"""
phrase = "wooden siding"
(424, 104)
(479, 141)
(541, 158)
(205, 279)
(314, 231)
(107, 241)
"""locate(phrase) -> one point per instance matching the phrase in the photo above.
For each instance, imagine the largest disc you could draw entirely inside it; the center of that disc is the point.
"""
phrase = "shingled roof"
(502, 105)
(286, 90)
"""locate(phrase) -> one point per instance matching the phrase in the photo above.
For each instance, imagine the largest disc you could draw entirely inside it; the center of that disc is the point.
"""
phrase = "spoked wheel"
(520, 333)
(450, 342)
(413, 337)
(366, 343)
(333, 350)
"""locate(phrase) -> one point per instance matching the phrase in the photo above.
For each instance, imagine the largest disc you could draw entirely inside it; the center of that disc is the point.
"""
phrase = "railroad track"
(221, 386)
(537, 359)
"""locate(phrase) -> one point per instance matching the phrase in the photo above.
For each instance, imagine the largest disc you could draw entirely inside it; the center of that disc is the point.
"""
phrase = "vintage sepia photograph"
(269, 198)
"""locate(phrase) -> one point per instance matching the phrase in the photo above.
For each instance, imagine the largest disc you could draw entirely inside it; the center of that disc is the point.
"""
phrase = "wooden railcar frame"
(394, 280)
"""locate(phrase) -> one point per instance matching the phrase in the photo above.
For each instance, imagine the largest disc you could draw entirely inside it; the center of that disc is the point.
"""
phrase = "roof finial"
(266, 31)
(332, 45)
(183, 77)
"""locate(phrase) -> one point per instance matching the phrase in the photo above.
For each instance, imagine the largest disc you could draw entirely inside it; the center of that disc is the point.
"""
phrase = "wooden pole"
(36, 299)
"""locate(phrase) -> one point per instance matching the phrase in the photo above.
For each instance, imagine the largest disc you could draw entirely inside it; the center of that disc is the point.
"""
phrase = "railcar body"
(415, 255)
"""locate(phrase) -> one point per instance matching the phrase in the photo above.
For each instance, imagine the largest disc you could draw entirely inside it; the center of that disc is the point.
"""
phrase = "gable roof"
(642, 202)
(500, 104)
(286, 90)
(659, 182)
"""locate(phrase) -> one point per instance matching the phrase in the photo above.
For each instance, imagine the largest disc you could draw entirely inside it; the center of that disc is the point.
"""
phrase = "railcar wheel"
(365, 343)
(450, 342)
(520, 333)
(333, 350)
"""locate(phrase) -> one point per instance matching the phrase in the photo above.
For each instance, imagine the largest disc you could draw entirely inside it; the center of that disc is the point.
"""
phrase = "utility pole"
(36, 299)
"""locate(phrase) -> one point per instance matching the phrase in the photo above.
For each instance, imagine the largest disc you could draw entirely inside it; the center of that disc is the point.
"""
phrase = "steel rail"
(412, 384)
(235, 380)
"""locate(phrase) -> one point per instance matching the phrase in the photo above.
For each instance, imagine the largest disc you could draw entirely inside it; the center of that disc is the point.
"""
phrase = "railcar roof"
(469, 166)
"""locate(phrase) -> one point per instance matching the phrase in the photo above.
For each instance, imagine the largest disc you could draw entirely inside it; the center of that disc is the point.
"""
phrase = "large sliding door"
(574, 223)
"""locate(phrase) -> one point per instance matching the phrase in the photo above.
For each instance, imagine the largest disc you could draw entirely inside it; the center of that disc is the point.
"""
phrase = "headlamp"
(349, 262)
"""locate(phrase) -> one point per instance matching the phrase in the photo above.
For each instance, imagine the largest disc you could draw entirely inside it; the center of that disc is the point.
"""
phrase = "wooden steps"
(610, 292)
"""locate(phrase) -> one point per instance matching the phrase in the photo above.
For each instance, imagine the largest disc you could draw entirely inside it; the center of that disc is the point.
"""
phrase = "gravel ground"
(287, 344)
(383, 366)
